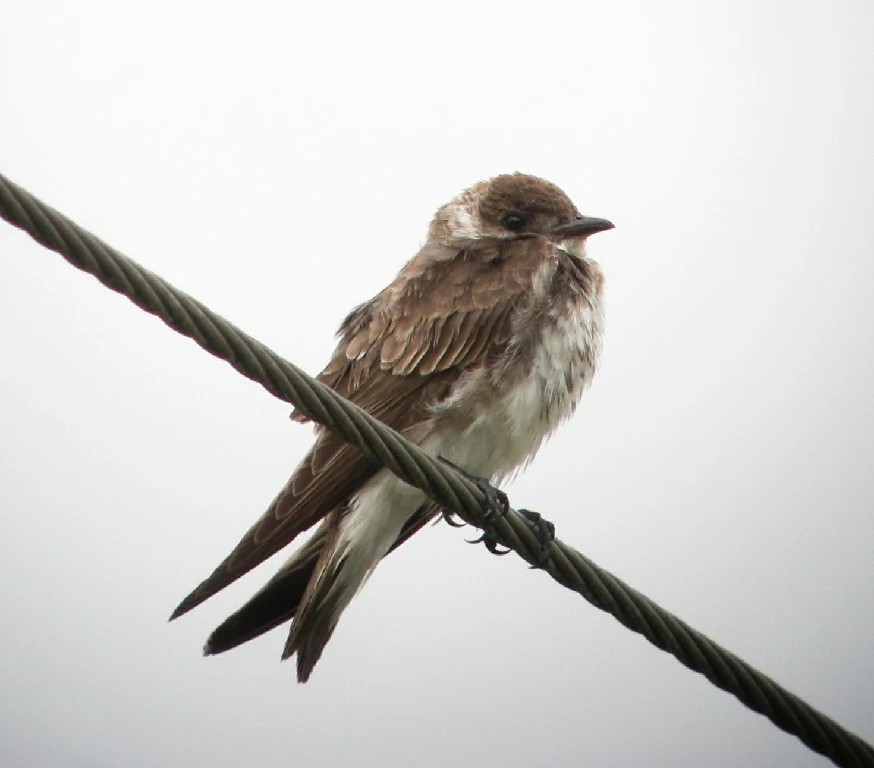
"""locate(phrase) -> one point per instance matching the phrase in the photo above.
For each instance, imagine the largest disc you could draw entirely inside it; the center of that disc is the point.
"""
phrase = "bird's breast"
(513, 405)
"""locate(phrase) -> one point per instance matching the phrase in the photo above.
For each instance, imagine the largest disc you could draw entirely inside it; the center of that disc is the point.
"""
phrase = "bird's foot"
(543, 530)
(496, 505)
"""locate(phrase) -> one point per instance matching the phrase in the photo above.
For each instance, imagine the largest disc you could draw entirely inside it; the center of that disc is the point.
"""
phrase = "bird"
(477, 351)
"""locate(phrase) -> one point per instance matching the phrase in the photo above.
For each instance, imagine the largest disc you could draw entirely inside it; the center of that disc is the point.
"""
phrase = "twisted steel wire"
(451, 490)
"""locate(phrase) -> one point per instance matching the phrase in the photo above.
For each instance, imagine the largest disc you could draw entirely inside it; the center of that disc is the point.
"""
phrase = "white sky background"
(280, 162)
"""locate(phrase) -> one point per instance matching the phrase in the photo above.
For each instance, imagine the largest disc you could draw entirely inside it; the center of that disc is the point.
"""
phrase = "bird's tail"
(280, 599)
(275, 603)
(359, 537)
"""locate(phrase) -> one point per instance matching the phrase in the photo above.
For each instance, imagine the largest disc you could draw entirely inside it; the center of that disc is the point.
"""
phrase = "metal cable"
(445, 486)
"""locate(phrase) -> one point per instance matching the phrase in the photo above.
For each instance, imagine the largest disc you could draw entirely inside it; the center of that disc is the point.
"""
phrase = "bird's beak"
(582, 226)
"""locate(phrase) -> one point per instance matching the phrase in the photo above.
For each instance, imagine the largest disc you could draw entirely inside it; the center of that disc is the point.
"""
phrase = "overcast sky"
(280, 161)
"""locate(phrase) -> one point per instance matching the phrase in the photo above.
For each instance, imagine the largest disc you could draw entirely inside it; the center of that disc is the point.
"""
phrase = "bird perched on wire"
(481, 346)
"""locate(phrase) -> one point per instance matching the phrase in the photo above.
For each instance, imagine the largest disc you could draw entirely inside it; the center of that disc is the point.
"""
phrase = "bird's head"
(513, 206)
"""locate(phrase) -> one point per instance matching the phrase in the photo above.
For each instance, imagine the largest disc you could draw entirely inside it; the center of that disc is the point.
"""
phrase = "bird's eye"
(514, 222)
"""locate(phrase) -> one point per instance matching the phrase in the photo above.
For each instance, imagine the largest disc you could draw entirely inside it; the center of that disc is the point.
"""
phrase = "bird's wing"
(398, 355)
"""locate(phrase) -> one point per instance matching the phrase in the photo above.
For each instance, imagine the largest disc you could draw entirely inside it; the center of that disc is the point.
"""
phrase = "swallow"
(478, 350)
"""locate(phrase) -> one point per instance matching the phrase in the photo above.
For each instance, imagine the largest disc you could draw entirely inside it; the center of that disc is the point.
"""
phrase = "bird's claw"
(452, 519)
(491, 543)
(543, 530)
(497, 504)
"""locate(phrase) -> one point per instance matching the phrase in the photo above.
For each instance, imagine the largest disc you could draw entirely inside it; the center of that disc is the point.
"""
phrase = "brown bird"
(481, 346)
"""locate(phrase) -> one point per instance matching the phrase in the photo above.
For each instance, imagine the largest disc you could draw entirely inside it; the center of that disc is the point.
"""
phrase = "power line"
(447, 487)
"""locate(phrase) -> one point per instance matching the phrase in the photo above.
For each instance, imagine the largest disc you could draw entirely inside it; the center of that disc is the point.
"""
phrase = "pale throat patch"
(574, 246)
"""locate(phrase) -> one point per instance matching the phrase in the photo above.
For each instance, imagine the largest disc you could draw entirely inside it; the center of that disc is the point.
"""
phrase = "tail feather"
(281, 598)
(360, 535)
(274, 604)
(311, 630)
(327, 594)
